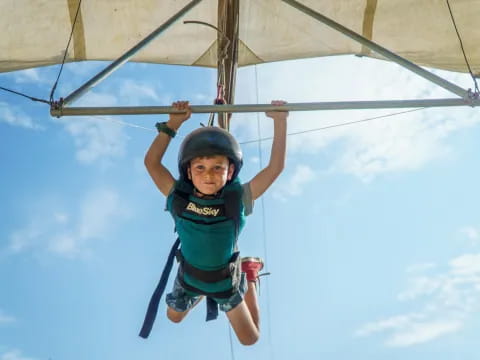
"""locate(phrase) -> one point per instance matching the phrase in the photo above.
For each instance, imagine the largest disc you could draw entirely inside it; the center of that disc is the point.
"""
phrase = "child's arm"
(153, 158)
(262, 181)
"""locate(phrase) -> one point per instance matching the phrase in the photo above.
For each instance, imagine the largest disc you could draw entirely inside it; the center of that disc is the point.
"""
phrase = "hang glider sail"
(433, 34)
(34, 33)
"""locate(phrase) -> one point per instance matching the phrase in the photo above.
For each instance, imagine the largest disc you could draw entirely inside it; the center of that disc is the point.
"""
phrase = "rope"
(96, 117)
(24, 95)
(120, 122)
(52, 92)
(334, 126)
(223, 54)
(232, 352)
(264, 226)
(477, 90)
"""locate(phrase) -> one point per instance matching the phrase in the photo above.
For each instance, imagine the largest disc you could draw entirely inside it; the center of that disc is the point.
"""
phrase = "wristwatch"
(163, 127)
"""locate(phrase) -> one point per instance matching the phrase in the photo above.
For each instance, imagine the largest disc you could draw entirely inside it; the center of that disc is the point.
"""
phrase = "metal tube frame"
(467, 98)
(125, 57)
(382, 51)
(348, 105)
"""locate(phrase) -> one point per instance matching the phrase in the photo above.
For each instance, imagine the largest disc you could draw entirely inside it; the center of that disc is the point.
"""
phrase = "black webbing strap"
(180, 201)
(208, 276)
(218, 294)
(212, 309)
(157, 294)
(232, 204)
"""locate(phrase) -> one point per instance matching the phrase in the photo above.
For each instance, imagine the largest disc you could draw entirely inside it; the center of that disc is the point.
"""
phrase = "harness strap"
(157, 294)
(208, 276)
(212, 305)
(216, 294)
(233, 270)
(180, 201)
(232, 202)
(212, 309)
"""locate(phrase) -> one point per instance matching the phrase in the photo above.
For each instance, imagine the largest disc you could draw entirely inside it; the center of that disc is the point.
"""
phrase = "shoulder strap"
(157, 294)
(180, 201)
(232, 197)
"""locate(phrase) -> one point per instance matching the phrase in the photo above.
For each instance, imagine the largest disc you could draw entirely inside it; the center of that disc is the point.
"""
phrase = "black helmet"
(209, 141)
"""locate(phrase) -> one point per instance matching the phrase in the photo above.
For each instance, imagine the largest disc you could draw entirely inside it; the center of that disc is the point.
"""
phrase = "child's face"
(210, 174)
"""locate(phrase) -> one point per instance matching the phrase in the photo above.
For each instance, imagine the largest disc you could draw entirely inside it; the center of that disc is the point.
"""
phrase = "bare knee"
(249, 339)
(175, 316)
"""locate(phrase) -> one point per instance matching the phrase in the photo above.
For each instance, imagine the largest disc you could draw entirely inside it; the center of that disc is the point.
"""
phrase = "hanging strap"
(157, 294)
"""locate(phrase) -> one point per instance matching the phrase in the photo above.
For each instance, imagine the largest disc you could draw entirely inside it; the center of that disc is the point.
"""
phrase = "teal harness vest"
(208, 229)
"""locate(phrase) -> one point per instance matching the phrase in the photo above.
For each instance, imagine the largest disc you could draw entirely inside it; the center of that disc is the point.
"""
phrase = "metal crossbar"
(347, 105)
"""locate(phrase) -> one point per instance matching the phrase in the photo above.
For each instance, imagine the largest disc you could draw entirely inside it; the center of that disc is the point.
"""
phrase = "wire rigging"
(24, 95)
(264, 226)
(477, 90)
(232, 352)
(335, 125)
(96, 117)
(52, 92)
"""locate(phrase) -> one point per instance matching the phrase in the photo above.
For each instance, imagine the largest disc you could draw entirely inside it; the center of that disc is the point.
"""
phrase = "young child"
(209, 205)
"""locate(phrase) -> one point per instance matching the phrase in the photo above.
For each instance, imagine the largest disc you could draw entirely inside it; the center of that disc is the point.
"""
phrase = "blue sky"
(372, 233)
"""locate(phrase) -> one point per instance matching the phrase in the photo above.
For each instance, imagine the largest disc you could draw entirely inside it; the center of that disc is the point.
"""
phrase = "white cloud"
(405, 142)
(464, 265)
(94, 98)
(23, 239)
(14, 355)
(420, 285)
(5, 318)
(471, 233)
(96, 139)
(423, 332)
(394, 322)
(384, 146)
(96, 218)
(98, 210)
(136, 93)
(302, 175)
(85, 68)
(449, 299)
(64, 244)
(16, 117)
(254, 160)
(104, 138)
(202, 99)
(420, 267)
(28, 76)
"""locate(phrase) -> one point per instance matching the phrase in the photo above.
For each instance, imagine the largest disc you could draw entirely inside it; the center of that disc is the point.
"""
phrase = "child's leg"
(177, 316)
(245, 317)
(180, 302)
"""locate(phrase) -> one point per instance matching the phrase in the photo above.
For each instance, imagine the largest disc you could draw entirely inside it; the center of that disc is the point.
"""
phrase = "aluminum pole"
(382, 51)
(129, 54)
(202, 109)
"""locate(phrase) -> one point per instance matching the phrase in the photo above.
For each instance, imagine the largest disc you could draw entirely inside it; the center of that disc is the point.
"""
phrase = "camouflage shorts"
(180, 300)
